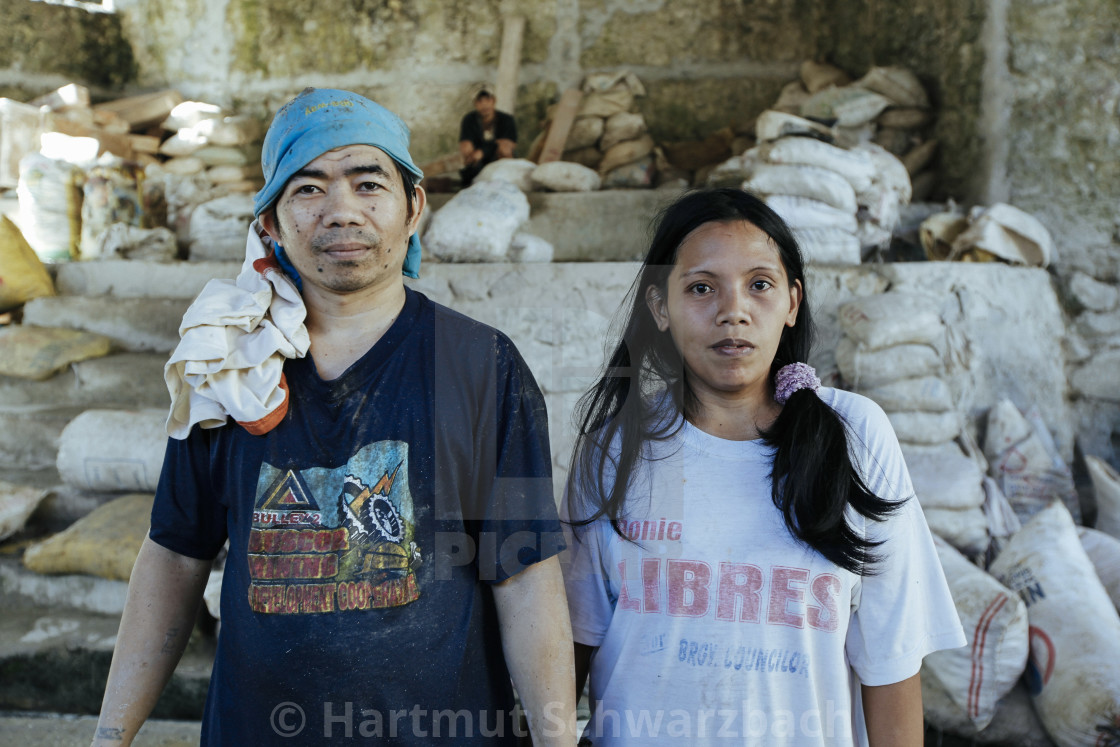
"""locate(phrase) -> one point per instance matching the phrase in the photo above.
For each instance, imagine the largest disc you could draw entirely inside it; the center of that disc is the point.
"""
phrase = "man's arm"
(505, 148)
(537, 642)
(469, 153)
(894, 713)
(163, 597)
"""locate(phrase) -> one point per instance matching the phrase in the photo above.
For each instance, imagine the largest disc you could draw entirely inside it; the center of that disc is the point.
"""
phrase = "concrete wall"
(1028, 92)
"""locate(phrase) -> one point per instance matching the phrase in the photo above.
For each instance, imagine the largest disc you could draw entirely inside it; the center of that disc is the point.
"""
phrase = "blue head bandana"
(322, 119)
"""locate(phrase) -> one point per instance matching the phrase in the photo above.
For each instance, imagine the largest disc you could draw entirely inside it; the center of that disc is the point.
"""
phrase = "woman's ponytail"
(814, 481)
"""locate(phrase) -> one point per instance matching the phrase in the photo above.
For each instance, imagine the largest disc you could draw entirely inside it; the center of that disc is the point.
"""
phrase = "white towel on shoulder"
(234, 340)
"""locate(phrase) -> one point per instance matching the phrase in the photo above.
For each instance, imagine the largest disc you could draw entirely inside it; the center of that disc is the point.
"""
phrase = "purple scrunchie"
(792, 377)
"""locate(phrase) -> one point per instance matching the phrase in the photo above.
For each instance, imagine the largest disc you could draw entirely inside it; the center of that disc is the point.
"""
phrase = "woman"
(745, 546)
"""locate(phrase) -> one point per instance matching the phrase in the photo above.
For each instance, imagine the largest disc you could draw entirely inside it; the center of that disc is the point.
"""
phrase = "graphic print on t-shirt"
(340, 539)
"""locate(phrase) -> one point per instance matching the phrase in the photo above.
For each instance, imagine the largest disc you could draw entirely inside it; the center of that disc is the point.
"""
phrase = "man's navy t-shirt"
(363, 533)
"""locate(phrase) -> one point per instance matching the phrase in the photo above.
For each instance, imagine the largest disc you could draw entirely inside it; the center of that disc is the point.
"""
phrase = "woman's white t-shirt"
(717, 627)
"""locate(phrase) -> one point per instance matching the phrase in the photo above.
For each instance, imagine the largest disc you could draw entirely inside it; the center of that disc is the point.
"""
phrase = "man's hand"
(537, 641)
(163, 597)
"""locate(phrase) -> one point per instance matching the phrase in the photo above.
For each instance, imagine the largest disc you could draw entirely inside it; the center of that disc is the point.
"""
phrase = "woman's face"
(725, 304)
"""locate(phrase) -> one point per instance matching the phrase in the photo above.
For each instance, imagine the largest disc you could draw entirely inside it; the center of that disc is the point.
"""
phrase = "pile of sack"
(206, 138)
(999, 232)
(482, 223)
(836, 159)
(609, 135)
(896, 349)
(1045, 616)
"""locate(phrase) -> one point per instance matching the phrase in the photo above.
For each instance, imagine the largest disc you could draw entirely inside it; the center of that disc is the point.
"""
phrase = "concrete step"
(75, 592)
(134, 324)
(58, 660)
(29, 729)
(29, 434)
(126, 380)
(126, 278)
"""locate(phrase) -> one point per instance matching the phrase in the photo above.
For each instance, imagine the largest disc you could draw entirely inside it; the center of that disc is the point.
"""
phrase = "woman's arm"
(894, 713)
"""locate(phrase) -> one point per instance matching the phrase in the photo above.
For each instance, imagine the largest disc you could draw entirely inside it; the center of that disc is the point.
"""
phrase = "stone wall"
(1063, 132)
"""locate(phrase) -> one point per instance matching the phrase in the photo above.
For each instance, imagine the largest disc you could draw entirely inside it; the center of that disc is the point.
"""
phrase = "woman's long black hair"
(813, 477)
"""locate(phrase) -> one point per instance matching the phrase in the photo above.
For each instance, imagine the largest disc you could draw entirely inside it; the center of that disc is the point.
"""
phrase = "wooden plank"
(444, 165)
(561, 125)
(144, 144)
(145, 109)
(509, 63)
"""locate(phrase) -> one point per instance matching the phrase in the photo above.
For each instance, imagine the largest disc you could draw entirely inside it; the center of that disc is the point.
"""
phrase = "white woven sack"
(1106, 488)
(944, 477)
(868, 368)
(1104, 552)
(804, 181)
(892, 318)
(828, 246)
(923, 394)
(1014, 723)
(516, 171)
(855, 166)
(477, 224)
(964, 528)
(805, 212)
(1028, 469)
(976, 676)
(1075, 629)
(928, 428)
(562, 176)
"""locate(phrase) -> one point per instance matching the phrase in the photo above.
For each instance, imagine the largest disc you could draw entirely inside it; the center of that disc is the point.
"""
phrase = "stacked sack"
(1024, 461)
(896, 350)
(206, 139)
(609, 135)
(829, 163)
(482, 224)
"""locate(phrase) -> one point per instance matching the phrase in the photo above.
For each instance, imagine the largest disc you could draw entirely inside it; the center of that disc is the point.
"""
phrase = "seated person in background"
(485, 135)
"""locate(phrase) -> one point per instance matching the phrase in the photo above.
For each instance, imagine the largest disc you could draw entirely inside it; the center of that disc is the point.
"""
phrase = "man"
(485, 135)
(392, 535)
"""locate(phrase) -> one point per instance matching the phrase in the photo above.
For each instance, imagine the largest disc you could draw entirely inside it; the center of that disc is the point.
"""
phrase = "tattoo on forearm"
(110, 732)
(169, 641)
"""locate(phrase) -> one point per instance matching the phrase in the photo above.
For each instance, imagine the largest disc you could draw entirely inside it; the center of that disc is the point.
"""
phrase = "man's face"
(343, 221)
(484, 105)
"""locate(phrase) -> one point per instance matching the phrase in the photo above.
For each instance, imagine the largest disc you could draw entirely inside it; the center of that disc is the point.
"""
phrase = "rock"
(477, 224)
(105, 543)
(516, 171)
(585, 132)
(218, 228)
(560, 176)
(528, 248)
(1091, 294)
(31, 352)
(113, 449)
(17, 503)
